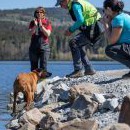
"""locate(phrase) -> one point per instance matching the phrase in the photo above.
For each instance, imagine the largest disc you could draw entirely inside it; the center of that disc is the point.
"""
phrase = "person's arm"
(33, 26)
(113, 29)
(77, 8)
(114, 34)
(46, 31)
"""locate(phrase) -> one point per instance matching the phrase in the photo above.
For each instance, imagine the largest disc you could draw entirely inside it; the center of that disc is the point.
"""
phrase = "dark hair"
(115, 5)
(38, 9)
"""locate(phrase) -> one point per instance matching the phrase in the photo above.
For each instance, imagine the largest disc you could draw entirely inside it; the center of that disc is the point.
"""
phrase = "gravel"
(112, 83)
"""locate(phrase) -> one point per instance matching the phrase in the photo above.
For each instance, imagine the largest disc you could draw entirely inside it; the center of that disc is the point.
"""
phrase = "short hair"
(115, 5)
(39, 9)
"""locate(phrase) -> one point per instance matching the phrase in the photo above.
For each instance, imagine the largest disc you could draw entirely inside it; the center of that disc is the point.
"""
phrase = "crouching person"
(117, 31)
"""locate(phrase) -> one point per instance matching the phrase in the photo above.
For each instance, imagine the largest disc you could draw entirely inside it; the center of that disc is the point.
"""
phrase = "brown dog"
(27, 84)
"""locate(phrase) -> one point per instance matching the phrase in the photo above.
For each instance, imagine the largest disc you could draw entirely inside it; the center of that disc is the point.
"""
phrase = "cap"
(58, 2)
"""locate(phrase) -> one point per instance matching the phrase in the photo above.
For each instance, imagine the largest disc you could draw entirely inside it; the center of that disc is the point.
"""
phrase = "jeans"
(80, 59)
(39, 53)
(120, 53)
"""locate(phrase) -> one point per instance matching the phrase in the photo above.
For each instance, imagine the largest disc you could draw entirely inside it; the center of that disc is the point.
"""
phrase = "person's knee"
(108, 50)
(72, 43)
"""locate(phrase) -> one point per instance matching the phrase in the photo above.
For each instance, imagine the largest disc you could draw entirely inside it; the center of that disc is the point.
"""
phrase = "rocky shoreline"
(89, 102)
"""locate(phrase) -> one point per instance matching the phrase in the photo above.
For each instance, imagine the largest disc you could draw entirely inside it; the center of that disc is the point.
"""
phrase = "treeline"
(15, 38)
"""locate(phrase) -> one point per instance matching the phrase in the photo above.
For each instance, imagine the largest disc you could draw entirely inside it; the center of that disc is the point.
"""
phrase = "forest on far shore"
(15, 37)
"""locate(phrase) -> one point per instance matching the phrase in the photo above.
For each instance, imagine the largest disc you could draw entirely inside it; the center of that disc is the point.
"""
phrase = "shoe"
(75, 74)
(90, 72)
(48, 74)
(126, 75)
(45, 74)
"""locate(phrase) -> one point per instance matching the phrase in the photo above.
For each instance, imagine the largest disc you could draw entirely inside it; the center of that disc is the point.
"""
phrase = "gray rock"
(13, 124)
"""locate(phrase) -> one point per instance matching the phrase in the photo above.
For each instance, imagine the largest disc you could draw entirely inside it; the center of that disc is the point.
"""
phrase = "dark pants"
(120, 53)
(39, 53)
(77, 46)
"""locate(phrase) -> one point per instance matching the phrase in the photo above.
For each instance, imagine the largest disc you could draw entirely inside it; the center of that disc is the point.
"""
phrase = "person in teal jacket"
(117, 30)
(85, 17)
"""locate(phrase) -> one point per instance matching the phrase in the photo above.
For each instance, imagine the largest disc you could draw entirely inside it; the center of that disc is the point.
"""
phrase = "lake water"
(10, 69)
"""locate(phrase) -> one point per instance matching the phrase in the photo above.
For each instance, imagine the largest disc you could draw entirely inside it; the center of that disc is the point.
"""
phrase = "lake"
(10, 69)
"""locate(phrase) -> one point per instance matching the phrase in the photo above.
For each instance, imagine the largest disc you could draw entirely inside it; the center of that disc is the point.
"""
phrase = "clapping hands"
(106, 19)
(37, 21)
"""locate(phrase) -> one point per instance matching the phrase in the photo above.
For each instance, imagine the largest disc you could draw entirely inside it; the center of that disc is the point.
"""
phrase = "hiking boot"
(75, 74)
(126, 75)
(90, 72)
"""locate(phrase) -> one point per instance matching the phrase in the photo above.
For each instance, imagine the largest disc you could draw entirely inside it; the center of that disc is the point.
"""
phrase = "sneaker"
(126, 75)
(75, 74)
(90, 72)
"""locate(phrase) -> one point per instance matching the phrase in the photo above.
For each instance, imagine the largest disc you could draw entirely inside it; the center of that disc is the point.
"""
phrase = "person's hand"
(40, 22)
(35, 22)
(106, 19)
(67, 33)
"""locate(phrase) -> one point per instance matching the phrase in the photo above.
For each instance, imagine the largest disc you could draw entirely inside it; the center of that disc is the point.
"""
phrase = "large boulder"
(83, 107)
(117, 126)
(50, 119)
(28, 126)
(76, 124)
(33, 116)
(124, 116)
(83, 88)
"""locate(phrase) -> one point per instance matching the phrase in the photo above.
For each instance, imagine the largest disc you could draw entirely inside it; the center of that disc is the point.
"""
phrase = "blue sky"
(13, 4)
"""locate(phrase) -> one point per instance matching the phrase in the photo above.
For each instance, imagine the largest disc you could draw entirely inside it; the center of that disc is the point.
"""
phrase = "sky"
(22, 4)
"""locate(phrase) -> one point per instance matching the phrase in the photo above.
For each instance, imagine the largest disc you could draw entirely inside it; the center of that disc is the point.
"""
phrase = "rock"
(124, 116)
(62, 90)
(109, 95)
(51, 107)
(19, 107)
(13, 124)
(49, 120)
(111, 104)
(44, 96)
(99, 98)
(41, 86)
(28, 126)
(83, 88)
(55, 79)
(76, 124)
(83, 107)
(33, 116)
(117, 126)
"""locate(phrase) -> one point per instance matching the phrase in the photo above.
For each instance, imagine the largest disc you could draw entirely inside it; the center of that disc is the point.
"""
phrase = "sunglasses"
(40, 12)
